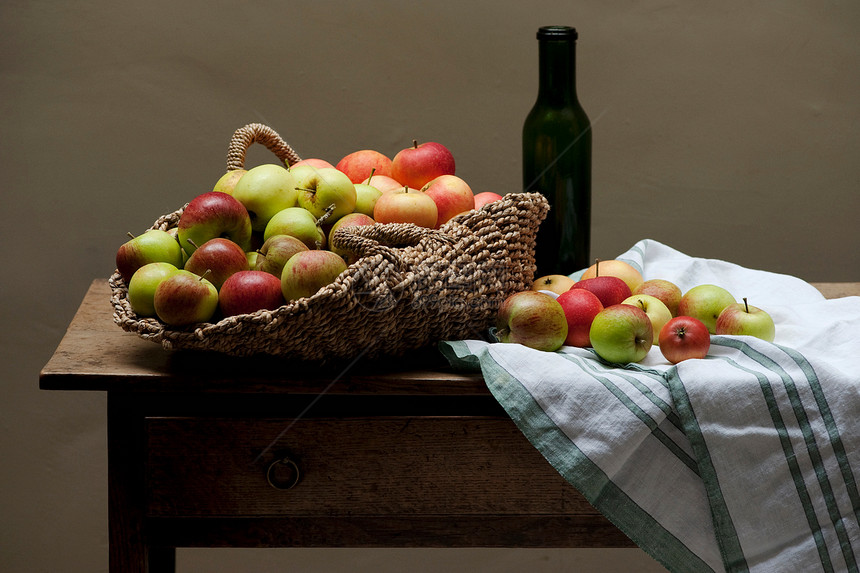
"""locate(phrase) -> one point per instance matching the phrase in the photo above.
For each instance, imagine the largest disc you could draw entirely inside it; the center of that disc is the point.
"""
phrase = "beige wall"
(724, 129)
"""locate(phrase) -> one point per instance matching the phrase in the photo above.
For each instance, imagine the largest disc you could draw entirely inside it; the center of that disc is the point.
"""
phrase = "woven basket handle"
(384, 239)
(252, 133)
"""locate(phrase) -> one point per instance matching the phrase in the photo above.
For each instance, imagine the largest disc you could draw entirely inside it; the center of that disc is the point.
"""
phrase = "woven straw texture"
(410, 287)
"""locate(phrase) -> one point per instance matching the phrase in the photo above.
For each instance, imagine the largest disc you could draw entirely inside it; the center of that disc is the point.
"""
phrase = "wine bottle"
(557, 156)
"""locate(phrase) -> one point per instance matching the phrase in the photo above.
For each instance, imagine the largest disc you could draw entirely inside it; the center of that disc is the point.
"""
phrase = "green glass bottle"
(557, 156)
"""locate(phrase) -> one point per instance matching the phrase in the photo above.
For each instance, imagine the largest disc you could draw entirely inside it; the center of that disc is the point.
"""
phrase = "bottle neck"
(557, 72)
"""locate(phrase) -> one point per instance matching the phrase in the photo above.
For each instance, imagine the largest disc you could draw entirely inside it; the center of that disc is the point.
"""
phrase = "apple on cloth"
(746, 460)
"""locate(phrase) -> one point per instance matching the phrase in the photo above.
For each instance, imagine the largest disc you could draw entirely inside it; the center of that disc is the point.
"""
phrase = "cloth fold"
(747, 460)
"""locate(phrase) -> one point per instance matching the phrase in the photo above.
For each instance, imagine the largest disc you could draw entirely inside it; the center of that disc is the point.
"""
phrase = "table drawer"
(350, 467)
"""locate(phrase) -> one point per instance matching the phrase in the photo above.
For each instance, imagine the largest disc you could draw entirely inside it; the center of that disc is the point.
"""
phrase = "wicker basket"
(411, 286)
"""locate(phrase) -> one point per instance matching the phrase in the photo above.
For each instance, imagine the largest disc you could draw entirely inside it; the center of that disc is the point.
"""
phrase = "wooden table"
(212, 451)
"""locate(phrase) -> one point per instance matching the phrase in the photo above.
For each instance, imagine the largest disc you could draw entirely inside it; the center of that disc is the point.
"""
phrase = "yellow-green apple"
(321, 188)
(298, 223)
(746, 319)
(610, 290)
(359, 165)
(580, 307)
(417, 165)
(621, 334)
(141, 287)
(553, 283)
(365, 198)
(252, 259)
(227, 182)
(153, 246)
(452, 196)
(249, 291)
(485, 197)
(212, 215)
(684, 337)
(351, 220)
(184, 298)
(705, 302)
(308, 271)
(264, 190)
(406, 206)
(315, 162)
(275, 253)
(666, 291)
(217, 259)
(615, 268)
(657, 312)
(384, 183)
(533, 319)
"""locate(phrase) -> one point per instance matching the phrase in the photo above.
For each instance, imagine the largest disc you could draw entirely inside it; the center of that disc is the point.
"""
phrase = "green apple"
(319, 189)
(658, 313)
(228, 181)
(533, 319)
(141, 287)
(308, 271)
(299, 223)
(153, 246)
(264, 190)
(365, 198)
(184, 298)
(621, 333)
(746, 319)
(275, 253)
(705, 302)
(252, 257)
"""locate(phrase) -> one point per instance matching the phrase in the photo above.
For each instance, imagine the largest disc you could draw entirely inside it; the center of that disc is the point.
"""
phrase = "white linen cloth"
(747, 460)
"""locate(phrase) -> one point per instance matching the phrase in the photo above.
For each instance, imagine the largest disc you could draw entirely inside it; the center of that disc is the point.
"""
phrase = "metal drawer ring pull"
(283, 474)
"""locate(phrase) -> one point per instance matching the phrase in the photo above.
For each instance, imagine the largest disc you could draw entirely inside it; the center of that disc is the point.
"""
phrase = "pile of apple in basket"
(262, 236)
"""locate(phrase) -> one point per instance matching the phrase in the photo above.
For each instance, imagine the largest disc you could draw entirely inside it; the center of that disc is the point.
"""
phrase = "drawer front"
(349, 467)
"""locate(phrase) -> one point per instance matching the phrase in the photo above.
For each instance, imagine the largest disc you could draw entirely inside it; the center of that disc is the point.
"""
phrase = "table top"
(95, 354)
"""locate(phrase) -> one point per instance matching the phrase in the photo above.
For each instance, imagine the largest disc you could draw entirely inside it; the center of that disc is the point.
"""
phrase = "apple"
(153, 246)
(705, 302)
(615, 268)
(275, 253)
(610, 290)
(580, 307)
(746, 319)
(365, 198)
(212, 215)
(384, 183)
(684, 337)
(319, 189)
(485, 197)
(298, 223)
(228, 181)
(249, 291)
(265, 190)
(217, 259)
(359, 165)
(621, 333)
(666, 291)
(553, 283)
(658, 313)
(417, 165)
(141, 287)
(314, 162)
(406, 206)
(184, 298)
(533, 319)
(452, 196)
(351, 220)
(308, 271)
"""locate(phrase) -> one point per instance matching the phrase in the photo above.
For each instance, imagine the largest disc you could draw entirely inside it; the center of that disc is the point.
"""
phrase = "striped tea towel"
(748, 460)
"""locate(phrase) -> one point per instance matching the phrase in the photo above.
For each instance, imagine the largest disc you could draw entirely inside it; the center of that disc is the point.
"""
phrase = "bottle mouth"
(557, 33)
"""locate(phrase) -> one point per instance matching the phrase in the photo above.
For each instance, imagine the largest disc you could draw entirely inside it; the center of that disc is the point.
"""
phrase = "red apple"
(485, 197)
(249, 291)
(217, 259)
(610, 290)
(313, 162)
(275, 253)
(308, 271)
(684, 337)
(184, 298)
(553, 283)
(383, 182)
(418, 165)
(359, 165)
(667, 291)
(452, 196)
(533, 319)
(214, 214)
(580, 307)
(406, 206)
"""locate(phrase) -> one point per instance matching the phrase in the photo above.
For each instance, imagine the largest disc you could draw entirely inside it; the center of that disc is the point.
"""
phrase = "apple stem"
(596, 267)
(203, 276)
(746, 305)
(414, 144)
(312, 191)
(129, 234)
(193, 244)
